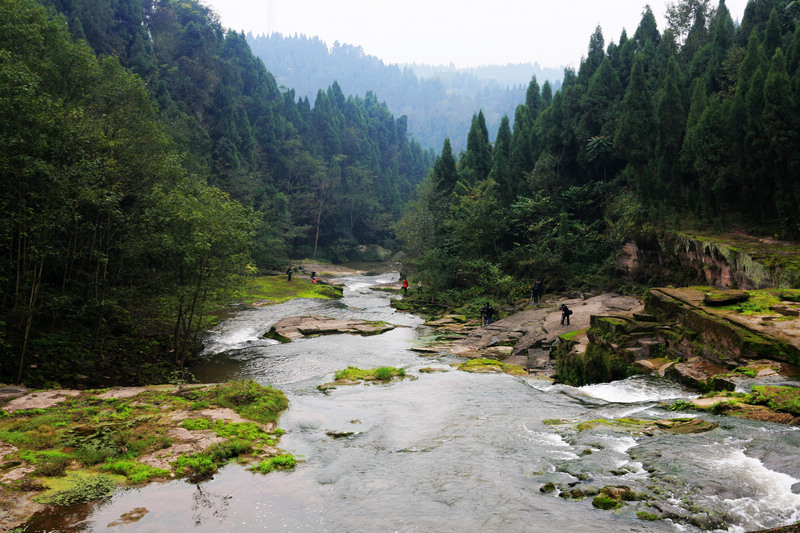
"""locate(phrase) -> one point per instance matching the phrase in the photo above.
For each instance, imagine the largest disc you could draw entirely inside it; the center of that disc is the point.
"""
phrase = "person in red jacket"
(405, 287)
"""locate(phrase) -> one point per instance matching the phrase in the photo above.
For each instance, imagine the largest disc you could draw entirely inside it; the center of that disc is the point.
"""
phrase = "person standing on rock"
(405, 286)
(565, 312)
(487, 311)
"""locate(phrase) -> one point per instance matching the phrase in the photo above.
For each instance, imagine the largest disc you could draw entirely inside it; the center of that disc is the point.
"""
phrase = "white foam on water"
(767, 499)
(546, 439)
(637, 389)
(617, 444)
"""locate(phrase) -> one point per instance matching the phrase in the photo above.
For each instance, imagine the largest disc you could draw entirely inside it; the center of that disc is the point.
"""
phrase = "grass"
(279, 462)
(384, 373)
(277, 289)
(568, 336)
(89, 435)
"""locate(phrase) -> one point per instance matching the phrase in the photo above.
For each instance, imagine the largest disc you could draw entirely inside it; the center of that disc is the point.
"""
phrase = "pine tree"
(670, 119)
(635, 134)
(780, 127)
(501, 171)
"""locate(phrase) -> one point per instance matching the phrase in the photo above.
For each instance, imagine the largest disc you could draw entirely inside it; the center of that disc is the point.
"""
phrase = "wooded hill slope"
(692, 127)
(148, 161)
(438, 101)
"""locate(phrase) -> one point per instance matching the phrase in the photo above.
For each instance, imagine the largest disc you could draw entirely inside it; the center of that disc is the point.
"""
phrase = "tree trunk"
(29, 320)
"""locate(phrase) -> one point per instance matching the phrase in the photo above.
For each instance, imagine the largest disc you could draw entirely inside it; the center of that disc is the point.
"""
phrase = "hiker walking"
(419, 286)
(289, 274)
(405, 287)
(565, 312)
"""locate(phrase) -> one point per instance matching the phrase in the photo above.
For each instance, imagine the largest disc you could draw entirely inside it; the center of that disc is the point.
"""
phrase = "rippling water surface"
(454, 451)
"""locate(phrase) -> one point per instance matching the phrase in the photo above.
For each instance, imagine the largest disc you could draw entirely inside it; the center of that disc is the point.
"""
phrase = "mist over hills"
(439, 101)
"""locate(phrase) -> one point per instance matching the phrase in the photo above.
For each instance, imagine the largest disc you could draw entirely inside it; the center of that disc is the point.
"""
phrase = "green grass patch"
(249, 399)
(277, 289)
(570, 335)
(279, 462)
(239, 430)
(384, 373)
(134, 471)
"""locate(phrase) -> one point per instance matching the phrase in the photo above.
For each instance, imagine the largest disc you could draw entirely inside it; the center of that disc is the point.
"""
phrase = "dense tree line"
(693, 127)
(149, 161)
(438, 101)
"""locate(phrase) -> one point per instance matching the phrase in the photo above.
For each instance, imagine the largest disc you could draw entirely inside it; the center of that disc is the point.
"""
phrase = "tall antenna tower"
(271, 18)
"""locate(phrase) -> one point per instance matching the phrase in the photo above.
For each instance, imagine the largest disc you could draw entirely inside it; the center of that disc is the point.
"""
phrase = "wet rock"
(670, 511)
(303, 326)
(547, 487)
(720, 298)
(707, 522)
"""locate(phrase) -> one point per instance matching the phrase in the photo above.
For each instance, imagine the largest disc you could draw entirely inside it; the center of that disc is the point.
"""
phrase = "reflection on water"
(452, 451)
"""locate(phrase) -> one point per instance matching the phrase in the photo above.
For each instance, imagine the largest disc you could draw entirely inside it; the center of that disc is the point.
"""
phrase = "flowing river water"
(454, 451)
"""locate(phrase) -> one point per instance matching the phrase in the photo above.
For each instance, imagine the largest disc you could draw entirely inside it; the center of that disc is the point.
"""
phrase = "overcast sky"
(468, 33)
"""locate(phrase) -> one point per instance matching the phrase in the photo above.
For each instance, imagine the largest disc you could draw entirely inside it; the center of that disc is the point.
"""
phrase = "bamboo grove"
(695, 127)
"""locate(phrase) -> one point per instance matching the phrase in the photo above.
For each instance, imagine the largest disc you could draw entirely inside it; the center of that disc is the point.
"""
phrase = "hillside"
(439, 101)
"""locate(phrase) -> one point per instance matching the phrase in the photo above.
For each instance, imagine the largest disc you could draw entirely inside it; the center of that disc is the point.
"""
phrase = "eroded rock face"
(296, 327)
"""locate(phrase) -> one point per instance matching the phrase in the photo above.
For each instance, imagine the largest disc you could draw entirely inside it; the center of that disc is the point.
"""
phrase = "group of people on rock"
(301, 269)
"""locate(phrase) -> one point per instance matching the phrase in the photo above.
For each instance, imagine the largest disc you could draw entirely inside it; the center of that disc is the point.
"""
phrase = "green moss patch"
(643, 426)
(98, 442)
(490, 366)
(784, 399)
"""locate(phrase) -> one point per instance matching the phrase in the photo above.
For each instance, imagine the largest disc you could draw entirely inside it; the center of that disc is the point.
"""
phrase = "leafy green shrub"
(51, 464)
(681, 405)
(91, 455)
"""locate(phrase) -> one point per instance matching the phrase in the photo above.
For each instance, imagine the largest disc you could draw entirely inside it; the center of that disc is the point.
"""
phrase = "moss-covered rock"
(605, 502)
(491, 366)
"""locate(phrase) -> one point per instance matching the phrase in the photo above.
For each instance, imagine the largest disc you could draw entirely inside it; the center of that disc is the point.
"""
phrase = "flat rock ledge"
(296, 327)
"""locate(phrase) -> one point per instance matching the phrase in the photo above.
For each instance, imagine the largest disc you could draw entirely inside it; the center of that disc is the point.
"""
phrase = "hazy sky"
(468, 33)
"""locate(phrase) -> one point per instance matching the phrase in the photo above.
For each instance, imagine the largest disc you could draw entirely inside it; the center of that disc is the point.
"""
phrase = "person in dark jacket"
(289, 274)
(565, 312)
(487, 311)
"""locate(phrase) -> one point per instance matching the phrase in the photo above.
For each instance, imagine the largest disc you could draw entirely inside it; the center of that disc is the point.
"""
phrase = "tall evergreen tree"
(635, 133)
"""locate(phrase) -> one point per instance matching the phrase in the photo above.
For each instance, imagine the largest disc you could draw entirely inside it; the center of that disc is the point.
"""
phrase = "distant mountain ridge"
(439, 101)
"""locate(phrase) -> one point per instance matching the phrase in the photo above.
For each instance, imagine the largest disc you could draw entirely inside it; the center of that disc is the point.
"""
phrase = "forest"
(692, 127)
(438, 100)
(149, 163)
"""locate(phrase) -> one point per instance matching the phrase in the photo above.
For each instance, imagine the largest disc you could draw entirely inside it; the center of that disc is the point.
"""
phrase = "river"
(453, 451)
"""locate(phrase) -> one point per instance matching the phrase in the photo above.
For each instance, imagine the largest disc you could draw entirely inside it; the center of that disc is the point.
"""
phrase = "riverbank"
(611, 337)
(68, 446)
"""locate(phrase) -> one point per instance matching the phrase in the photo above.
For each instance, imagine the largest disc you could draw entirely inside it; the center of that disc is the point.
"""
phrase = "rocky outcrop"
(733, 260)
(295, 327)
(525, 338)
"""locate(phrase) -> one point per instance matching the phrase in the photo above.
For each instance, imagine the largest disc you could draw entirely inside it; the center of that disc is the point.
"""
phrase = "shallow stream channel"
(459, 452)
